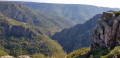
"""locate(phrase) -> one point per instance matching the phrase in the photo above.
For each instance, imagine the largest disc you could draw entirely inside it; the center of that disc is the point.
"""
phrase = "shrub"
(3, 53)
(117, 13)
(81, 53)
(115, 53)
(98, 52)
(39, 55)
(59, 55)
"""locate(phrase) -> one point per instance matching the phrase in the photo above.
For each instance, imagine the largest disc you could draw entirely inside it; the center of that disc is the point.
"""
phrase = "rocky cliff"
(107, 32)
(10, 29)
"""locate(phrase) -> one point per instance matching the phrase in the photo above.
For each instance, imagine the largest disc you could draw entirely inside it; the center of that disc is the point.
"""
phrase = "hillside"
(78, 36)
(18, 38)
(78, 13)
(47, 23)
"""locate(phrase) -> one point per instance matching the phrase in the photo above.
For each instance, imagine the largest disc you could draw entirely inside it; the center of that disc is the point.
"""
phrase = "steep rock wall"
(15, 30)
(107, 32)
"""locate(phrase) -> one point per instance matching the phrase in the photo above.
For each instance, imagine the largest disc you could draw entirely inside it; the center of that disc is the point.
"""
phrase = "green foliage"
(23, 46)
(60, 55)
(115, 53)
(3, 53)
(38, 56)
(117, 13)
(81, 53)
(91, 56)
(17, 52)
(98, 52)
(87, 53)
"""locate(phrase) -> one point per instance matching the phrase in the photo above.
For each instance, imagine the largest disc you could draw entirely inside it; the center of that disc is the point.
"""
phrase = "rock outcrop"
(24, 56)
(107, 32)
(15, 30)
(7, 56)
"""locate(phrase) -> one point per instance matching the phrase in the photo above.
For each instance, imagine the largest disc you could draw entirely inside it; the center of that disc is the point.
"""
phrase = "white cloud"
(104, 3)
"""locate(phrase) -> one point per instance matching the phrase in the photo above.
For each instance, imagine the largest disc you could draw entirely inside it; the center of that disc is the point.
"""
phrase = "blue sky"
(103, 3)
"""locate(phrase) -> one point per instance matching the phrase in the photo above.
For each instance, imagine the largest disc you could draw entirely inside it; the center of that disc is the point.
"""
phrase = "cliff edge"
(107, 32)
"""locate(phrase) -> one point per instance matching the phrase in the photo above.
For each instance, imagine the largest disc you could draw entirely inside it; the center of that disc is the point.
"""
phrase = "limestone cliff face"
(15, 30)
(107, 32)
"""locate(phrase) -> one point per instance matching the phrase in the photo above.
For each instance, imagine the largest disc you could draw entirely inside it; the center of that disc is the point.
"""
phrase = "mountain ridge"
(78, 13)
(48, 22)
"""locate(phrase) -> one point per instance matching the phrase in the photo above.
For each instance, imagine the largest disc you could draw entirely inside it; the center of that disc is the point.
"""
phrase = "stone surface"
(16, 30)
(107, 32)
(24, 56)
(6, 57)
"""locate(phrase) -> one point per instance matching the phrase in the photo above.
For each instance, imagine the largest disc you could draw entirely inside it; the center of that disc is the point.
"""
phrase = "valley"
(48, 30)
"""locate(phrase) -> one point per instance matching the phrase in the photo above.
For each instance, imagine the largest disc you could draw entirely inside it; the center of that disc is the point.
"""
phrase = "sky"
(101, 3)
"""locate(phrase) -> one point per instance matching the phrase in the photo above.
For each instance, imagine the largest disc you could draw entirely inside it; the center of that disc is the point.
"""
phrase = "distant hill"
(47, 23)
(78, 13)
(18, 38)
(78, 36)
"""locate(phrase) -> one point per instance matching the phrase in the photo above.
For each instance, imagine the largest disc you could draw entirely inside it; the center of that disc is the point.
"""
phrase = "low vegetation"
(117, 13)
(95, 53)
(115, 53)
(38, 56)
(3, 53)
(81, 53)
